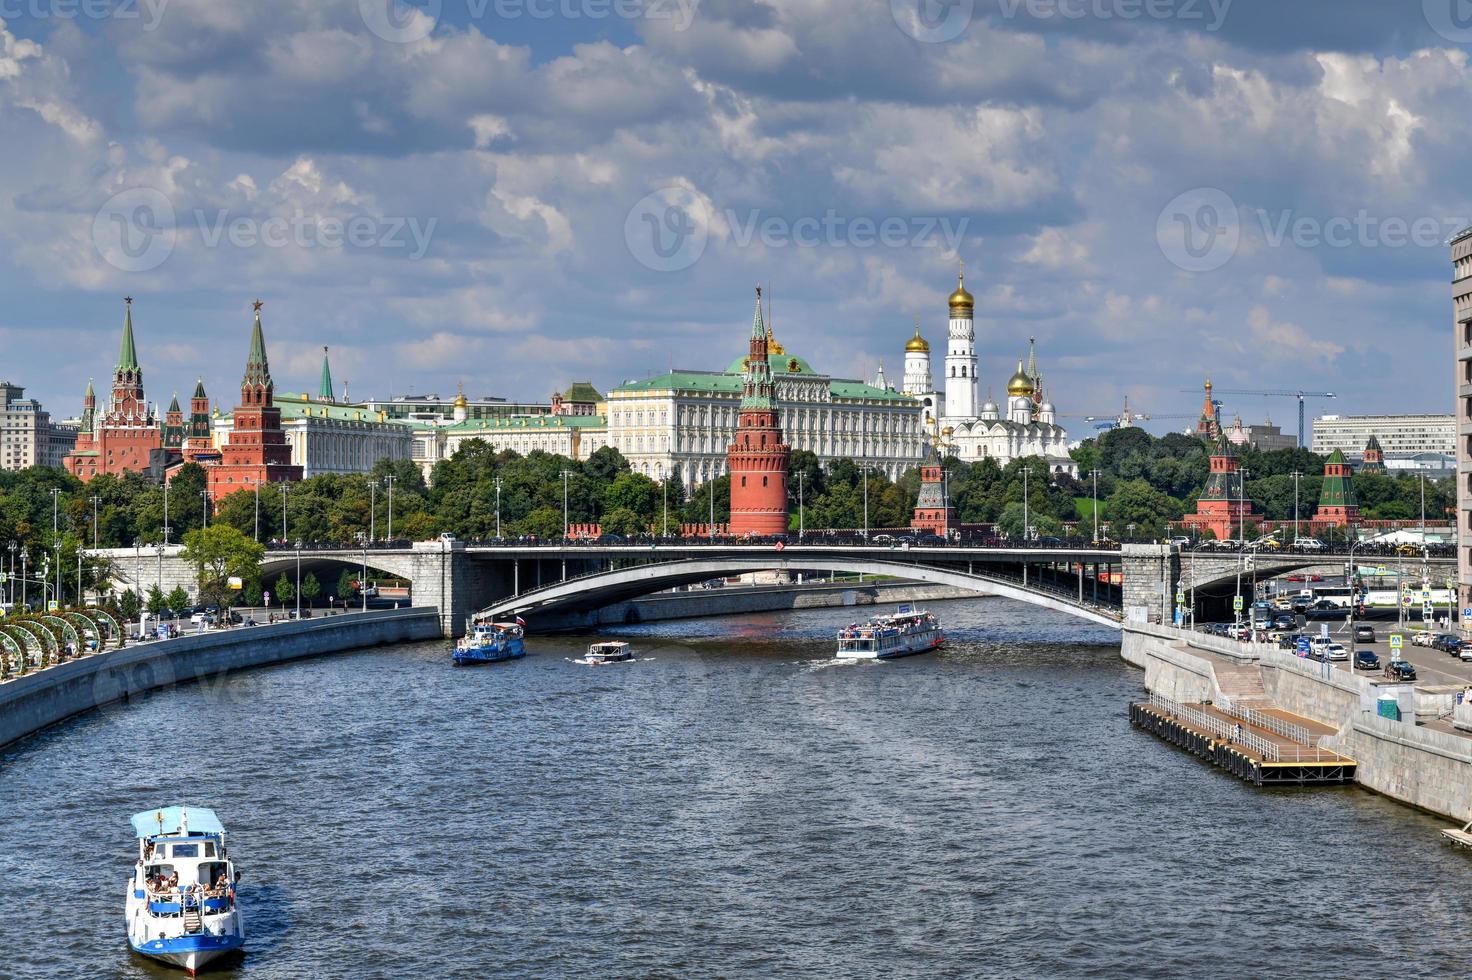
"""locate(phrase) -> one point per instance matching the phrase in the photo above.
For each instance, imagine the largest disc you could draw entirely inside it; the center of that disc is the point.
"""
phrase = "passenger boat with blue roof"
(908, 631)
(489, 643)
(181, 905)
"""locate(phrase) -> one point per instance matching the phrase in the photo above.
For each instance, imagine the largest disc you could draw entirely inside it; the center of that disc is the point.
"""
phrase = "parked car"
(1336, 652)
(1400, 670)
(1307, 544)
(1446, 642)
(1464, 651)
(1318, 642)
(1364, 634)
(1422, 638)
(1366, 660)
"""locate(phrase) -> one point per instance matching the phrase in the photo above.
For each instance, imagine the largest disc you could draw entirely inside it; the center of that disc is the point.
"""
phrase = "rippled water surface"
(734, 804)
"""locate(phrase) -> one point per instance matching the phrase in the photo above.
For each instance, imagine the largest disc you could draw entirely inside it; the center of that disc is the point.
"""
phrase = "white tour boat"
(181, 899)
(907, 632)
(608, 652)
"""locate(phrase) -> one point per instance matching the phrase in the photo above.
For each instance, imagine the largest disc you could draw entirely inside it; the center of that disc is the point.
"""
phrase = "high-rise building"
(758, 458)
(28, 437)
(1400, 436)
(1461, 247)
(255, 452)
(124, 439)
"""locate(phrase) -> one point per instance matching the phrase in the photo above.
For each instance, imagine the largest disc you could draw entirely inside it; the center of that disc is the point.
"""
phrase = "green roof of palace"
(518, 423)
(730, 382)
(582, 392)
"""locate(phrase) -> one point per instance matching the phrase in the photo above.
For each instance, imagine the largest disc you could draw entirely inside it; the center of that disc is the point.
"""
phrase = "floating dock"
(1263, 745)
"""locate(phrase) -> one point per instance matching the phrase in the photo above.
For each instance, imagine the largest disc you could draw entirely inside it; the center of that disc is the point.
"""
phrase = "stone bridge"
(1137, 582)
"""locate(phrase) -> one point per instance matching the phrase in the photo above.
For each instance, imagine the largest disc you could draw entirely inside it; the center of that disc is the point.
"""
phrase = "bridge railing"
(1274, 724)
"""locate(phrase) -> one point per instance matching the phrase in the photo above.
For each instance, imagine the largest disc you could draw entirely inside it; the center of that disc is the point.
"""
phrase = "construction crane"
(1275, 393)
(1125, 419)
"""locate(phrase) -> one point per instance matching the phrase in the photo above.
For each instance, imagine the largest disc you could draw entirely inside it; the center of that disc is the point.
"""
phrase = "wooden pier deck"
(1259, 743)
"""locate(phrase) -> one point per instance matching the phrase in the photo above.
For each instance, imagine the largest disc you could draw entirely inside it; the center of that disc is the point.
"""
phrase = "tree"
(220, 552)
(623, 521)
(156, 602)
(346, 584)
(284, 590)
(129, 605)
(311, 588)
(178, 598)
(251, 594)
(544, 523)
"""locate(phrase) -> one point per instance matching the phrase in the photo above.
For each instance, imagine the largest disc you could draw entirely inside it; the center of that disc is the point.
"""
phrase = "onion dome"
(1020, 384)
(917, 343)
(460, 401)
(1047, 407)
(962, 303)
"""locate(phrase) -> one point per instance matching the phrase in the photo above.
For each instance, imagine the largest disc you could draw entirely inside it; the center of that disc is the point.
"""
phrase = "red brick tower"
(1209, 426)
(933, 511)
(256, 452)
(199, 443)
(758, 459)
(121, 441)
(1220, 508)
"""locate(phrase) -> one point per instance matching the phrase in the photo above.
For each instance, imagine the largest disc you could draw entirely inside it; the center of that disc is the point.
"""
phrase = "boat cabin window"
(185, 851)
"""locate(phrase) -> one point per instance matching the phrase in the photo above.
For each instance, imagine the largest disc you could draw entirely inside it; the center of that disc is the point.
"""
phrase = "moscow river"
(733, 804)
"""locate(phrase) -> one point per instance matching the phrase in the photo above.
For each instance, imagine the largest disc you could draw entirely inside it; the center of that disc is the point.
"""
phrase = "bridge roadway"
(1136, 582)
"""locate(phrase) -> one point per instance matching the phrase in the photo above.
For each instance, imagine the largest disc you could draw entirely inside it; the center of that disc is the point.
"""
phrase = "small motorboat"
(181, 905)
(608, 652)
(489, 643)
(1462, 838)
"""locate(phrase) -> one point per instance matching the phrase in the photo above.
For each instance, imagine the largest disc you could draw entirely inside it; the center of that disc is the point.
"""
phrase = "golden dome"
(460, 401)
(1020, 384)
(962, 303)
(917, 343)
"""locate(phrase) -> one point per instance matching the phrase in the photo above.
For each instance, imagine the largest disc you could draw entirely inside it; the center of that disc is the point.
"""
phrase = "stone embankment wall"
(44, 697)
(737, 600)
(1414, 764)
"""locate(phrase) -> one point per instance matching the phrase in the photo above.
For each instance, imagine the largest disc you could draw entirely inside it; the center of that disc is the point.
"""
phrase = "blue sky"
(519, 193)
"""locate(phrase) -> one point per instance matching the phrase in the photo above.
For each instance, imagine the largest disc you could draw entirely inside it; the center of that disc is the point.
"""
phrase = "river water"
(734, 804)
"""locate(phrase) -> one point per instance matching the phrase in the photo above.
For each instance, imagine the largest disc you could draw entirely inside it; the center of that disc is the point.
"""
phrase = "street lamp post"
(166, 512)
(10, 591)
(1297, 533)
(284, 535)
(372, 511)
(56, 537)
(1026, 519)
(389, 479)
(24, 555)
(256, 534)
(866, 503)
(1095, 474)
(664, 487)
(97, 500)
(800, 514)
(498, 508)
(363, 584)
(299, 581)
(204, 508)
(564, 503)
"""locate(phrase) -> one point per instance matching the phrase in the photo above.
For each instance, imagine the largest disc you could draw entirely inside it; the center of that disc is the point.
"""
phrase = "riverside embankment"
(1424, 759)
(46, 696)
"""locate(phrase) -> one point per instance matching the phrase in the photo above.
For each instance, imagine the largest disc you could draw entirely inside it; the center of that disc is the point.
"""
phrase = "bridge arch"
(620, 584)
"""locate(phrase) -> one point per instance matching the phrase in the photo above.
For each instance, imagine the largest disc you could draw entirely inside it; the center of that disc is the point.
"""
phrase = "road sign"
(1425, 595)
(266, 598)
(1405, 600)
(235, 582)
(1396, 641)
(1381, 572)
(1237, 603)
(1467, 612)
(52, 605)
(1180, 598)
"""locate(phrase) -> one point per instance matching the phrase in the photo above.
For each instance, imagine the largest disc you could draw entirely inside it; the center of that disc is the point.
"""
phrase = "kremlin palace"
(682, 423)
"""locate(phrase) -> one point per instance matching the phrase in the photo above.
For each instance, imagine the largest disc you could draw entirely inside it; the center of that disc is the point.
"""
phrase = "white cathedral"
(1030, 424)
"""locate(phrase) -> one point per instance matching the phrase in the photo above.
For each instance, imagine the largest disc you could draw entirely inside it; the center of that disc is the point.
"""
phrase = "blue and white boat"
(181, 905)
(489, 643)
